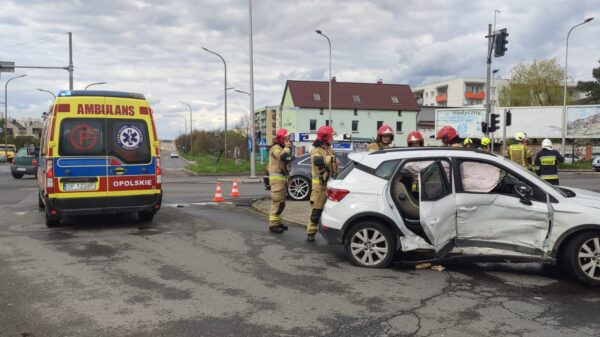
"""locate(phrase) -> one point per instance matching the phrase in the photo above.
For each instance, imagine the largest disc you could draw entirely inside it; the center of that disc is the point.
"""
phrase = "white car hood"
(585, 197)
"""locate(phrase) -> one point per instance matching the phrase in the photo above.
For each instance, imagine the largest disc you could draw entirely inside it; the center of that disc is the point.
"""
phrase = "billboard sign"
(583, 121)
(466, 121)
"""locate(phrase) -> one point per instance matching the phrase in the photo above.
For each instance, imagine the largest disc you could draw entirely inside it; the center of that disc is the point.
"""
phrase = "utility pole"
(488, 108)
(252, 152)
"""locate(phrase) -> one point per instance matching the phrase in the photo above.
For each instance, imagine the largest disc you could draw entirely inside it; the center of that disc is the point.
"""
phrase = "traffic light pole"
(488, 107)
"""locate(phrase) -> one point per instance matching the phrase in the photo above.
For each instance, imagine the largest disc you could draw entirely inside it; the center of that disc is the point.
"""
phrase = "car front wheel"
(582, 257)
(17, 175)
(299, 188)
(370, 244)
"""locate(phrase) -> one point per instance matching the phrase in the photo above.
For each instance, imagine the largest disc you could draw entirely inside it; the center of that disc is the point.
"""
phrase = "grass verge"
(578, 165)
(209, 165)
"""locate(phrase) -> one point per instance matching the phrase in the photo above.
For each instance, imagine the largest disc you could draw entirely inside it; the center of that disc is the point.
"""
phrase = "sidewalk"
(295, 212)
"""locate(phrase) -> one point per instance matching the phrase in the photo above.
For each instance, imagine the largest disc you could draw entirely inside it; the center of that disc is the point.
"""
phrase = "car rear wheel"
(146, 216)
(370, 244)
(299, 188)
(582, 257)
(52, 221)
(17, 175)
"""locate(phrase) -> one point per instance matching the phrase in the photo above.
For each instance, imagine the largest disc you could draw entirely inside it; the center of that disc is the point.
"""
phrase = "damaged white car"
(457, 202)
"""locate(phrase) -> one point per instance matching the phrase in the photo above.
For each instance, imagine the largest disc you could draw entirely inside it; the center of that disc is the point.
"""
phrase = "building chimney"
(380, 81)
(333, 79)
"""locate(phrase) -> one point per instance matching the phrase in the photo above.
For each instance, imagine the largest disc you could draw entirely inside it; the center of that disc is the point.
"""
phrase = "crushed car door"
(437, 207)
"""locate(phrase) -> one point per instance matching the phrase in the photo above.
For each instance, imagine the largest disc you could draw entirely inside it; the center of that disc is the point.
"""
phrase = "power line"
(42, 40)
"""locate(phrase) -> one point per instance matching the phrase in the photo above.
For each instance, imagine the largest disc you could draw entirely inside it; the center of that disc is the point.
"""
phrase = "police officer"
(520, 152)
(385, 137)
(449, 137)
(415, 139)
(323, 167)
(280, 156)
(545, 162)
(485, 143)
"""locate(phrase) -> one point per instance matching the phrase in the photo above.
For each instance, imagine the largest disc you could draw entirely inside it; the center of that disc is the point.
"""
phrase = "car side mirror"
(523, 191)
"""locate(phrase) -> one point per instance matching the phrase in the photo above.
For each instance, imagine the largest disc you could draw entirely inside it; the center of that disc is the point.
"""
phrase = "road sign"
(303, 137)
(262, 142)
(7, 67)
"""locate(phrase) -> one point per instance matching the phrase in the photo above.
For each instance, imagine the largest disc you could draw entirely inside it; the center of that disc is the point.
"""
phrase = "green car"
(25, 162)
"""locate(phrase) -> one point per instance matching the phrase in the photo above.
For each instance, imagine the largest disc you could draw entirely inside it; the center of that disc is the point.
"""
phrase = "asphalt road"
(214, 270)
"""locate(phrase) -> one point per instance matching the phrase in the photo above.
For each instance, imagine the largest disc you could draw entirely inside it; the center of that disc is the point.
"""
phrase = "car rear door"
(437, 207)
(132, 167)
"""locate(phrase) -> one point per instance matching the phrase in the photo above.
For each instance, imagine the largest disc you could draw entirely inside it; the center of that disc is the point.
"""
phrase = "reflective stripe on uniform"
(274, 217)
(548, 160)
(316, 181)
(549, 177)
(278, 177)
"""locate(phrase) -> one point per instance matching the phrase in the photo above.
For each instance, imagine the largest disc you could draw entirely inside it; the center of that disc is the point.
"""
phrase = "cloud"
(155, 47)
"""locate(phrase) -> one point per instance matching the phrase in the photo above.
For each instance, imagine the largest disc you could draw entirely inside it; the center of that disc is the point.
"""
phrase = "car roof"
(374, 159)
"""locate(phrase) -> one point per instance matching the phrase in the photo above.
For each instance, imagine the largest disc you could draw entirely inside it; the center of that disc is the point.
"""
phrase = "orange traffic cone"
(234, 189)
(218, 194)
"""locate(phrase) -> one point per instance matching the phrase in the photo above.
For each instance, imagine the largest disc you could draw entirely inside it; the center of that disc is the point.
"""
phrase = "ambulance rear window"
(128, 140)
(82, 137)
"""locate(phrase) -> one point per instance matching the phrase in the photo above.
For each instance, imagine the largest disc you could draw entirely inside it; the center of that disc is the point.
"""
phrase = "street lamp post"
(96, 83)
(318, 31)
(564, 112)
(191, 126)
(6, 112)
(48, 91)
(225, 92)
(185, 125)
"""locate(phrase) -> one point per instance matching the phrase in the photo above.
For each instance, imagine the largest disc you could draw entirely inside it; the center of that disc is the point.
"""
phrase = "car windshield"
(526, 173)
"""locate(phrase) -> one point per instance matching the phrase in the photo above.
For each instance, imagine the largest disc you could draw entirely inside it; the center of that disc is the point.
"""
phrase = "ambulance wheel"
(146, 216)
(52, 221)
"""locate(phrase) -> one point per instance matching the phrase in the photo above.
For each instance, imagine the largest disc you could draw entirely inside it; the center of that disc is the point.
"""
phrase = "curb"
(284, 219)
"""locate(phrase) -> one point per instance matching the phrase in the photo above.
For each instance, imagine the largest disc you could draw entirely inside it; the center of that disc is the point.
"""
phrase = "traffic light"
(500, 42)
(508, 118)
(484, 127)
(494, 123)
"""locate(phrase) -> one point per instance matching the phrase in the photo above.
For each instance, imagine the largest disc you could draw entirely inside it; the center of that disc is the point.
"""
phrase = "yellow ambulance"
(99, 153)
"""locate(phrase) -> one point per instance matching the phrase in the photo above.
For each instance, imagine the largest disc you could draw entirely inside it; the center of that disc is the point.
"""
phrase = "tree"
(591, 88)
(536, 84)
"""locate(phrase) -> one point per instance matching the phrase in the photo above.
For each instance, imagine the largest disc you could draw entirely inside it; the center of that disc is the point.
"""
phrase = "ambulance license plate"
(80, 186)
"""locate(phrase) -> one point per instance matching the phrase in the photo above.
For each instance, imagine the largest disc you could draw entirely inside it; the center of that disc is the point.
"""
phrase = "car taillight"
(158, 174)
(49, 177)
(335, 194)
(34, 162)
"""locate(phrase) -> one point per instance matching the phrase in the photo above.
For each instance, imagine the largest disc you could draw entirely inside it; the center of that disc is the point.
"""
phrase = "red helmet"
(325, 134)
(280, 136)
(385, 130)
(446, 134)
(415, 138)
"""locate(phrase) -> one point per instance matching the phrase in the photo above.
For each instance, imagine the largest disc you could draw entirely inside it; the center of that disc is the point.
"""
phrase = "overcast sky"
(155, 47)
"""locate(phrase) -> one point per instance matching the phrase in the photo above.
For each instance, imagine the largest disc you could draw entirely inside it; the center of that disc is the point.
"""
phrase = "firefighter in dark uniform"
(385, 137)
(545, 162)
(280, 156)
(449, 137)
(323, 167)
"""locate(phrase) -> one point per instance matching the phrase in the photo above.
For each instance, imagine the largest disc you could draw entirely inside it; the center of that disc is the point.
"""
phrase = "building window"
(313, 125)
(395, 99)
(321, 112)
(327, 122)
(379, 124)
(398, 127)
(399, 113)
(354, 126)
(356, 98)
(355, 112)
(317, 97)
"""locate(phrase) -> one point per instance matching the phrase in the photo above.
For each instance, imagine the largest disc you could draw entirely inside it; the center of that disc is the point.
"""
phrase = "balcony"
(441, 98)
(474, 95)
